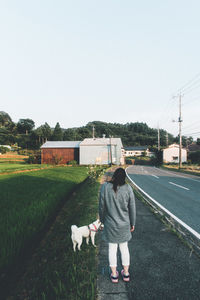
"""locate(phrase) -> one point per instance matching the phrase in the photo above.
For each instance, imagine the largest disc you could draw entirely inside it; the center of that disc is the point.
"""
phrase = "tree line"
(25, 135)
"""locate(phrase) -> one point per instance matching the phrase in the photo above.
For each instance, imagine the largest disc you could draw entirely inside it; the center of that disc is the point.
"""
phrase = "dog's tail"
(74, 228)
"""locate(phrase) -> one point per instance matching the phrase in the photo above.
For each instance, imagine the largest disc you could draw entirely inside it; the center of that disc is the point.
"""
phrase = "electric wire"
(192, 133)
(188, 85)
(191, 100)
(167, 116)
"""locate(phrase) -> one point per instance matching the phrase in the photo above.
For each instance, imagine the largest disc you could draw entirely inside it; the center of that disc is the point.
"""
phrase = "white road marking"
(196, 234)
(154, 176)
(179, 186)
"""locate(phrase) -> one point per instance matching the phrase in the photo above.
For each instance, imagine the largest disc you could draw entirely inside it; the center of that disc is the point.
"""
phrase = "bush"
(57, 159)
(3, 149)
(94, 172)
(34, 158)
(195, 157)
(72, 162)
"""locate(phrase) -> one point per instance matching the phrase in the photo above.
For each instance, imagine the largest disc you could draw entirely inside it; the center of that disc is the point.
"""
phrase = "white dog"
(78, 233)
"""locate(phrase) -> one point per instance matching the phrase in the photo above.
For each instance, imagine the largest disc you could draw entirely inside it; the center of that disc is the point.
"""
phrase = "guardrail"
(187, 233)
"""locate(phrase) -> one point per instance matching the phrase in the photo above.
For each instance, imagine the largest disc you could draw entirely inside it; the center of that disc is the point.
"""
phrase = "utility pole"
(110, 151)
(158, 139)
(167, 141)
(180, 135)
(93, 132)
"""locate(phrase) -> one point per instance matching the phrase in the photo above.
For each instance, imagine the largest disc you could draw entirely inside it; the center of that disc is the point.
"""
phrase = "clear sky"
(77, 61)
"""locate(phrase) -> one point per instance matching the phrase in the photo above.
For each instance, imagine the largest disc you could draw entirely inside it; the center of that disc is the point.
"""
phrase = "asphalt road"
(178, 193)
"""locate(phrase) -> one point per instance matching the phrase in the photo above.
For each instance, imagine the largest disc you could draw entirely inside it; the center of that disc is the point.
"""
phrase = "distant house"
(59, 151)
(171, 154)
(101, 151)
(137, 151)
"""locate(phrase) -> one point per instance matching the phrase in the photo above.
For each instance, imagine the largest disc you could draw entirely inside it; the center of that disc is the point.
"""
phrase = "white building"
(137, 151)
(101, 151)
(171, 154)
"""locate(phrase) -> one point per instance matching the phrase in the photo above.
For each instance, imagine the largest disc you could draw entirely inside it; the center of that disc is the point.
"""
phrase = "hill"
(26, 136)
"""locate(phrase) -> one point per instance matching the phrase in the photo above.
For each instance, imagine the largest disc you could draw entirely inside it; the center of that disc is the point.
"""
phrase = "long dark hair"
(118, 178)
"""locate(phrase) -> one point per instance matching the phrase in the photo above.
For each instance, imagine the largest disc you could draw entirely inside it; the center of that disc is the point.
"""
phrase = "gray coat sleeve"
(102, 204)
(132, 208)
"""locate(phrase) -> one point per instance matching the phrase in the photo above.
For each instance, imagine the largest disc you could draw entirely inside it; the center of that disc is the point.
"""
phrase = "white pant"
(112, 254)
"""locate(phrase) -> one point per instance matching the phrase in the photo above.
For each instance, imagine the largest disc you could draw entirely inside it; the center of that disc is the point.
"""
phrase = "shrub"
(94, 172)
(72, 162)
(34, 158)
(3, 149)
(195, 157)
(57, 159)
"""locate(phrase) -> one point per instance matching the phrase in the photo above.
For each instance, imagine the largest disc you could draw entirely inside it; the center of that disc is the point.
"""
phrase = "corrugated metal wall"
(100, 155)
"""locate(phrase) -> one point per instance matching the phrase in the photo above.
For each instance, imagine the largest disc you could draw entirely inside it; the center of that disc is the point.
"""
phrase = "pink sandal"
(125, 278)
(114, 279)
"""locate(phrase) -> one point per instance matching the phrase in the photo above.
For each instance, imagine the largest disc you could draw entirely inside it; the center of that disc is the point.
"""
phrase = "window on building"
(175, 157)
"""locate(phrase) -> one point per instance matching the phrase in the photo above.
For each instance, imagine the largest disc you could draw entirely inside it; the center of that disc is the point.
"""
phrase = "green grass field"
(56, 272)
(27, 202)
(9, 167)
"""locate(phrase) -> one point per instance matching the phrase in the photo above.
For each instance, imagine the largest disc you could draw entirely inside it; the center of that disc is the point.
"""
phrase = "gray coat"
(117, 212)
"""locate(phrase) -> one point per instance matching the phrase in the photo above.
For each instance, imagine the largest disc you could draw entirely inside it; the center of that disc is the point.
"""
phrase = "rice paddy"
(27, 202)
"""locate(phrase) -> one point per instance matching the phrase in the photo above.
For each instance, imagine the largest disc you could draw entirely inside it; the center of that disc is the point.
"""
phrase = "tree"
(43, 132)
(25, 125)
(57, 133)
(195, 157)
(6, 138)
(69, 135)
(46, 130)
(5, 119)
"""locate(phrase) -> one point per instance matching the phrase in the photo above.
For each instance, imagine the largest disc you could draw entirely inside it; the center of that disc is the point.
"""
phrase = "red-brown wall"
(63, 155)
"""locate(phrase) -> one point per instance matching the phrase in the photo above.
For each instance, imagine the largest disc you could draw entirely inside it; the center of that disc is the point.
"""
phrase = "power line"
(191, 101)
(188, 84)
(193, 133)
(166, 115)
(193, 123)
(191, 88)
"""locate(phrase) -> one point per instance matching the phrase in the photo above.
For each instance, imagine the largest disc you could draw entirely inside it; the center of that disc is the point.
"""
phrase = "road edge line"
(185, 230)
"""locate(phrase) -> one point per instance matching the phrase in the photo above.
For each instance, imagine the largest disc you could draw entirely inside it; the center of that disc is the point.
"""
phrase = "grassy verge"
(27, 202)
(193, 169)
(55, 271)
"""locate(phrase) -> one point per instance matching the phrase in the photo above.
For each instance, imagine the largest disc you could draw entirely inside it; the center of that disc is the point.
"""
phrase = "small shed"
(101, 151)
(59, 152)
(171, 154)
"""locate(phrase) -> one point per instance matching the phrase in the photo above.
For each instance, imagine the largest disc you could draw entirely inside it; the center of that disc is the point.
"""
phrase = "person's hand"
(101, 227)
(132, 228)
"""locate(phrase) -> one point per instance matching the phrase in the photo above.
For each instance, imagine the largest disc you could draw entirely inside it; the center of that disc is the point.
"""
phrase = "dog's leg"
(92, 238)
(74, 246)
(87, 240)
(80, 243)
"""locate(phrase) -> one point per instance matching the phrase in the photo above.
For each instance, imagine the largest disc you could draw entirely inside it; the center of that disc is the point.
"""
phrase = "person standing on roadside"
(118, 214)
